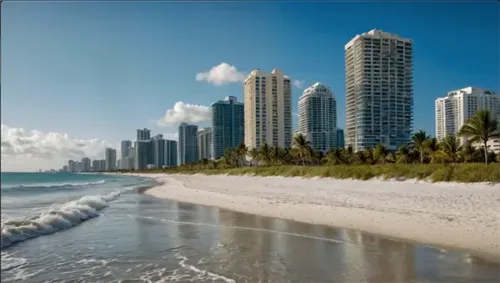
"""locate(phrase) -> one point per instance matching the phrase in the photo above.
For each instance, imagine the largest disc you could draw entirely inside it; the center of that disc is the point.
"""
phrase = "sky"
(78, 76)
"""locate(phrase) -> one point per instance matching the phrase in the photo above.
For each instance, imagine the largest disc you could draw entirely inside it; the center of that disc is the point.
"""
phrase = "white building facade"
(268, 109)
(110, 159)
(204, 140)
(318, 117)
(379, 90)
(453, 110)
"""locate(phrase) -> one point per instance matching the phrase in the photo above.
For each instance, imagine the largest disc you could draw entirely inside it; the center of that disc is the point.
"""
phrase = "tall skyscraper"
(268, 114)
(72, 166)
(110, 157)
(143, 134)
(102, 164)
(228, 126)
(340, 138)
(125, 151)
(204, 140)
(143, 154)
(318, 117)
(96, 166)
(85, 164)
(453, 110)
(188, 144)
(164, 152)
(379, 90)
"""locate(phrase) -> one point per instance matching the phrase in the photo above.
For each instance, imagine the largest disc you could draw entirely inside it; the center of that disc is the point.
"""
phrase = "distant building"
(79, 166)
(143, 134)
(340, 138)
(102, 165)
(110, 159)
(65, 168)
(85, 164)
(204, 140)
(96, 166)
(188, 145)
(164, 152)
(124, 150)
(72, 166)
(143, 154)
(228, 125)
(268, 109)
(318, 117)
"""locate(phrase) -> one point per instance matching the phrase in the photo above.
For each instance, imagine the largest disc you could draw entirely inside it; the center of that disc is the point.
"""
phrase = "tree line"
(423, 149)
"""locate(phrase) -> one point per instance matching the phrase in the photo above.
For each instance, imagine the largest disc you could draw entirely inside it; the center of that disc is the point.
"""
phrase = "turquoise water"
(98, 228)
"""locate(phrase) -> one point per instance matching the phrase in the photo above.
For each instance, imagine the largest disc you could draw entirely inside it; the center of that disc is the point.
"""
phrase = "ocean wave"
(48, 186)
(66, 216)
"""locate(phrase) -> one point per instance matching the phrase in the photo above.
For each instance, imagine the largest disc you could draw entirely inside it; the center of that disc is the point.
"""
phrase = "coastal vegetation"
(424, 158)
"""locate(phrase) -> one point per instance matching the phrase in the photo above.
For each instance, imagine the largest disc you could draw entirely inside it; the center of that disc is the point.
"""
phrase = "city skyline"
(169, 95)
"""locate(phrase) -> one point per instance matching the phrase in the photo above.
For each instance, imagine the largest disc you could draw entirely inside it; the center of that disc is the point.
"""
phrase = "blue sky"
(102, 70)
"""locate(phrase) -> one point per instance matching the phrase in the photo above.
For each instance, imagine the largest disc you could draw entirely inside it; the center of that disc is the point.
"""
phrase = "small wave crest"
(66, 216)
(49, 186)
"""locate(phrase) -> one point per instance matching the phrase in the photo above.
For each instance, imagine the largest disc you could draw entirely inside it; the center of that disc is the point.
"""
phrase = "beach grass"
(464, 172)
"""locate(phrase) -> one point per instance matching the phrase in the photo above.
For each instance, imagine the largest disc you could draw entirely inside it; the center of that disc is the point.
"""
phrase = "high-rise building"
(340, 138)
(204, 139)
(110, 159)
(379, 90)
(143, 134)
(143, 154)
(85, 164)
(268, 114)
(318, 117)
(453, 110)
(96, 166)
(228, 126)
(102, 165)
(188, 145)
(164, 152)
(125, 151)
(72, 166)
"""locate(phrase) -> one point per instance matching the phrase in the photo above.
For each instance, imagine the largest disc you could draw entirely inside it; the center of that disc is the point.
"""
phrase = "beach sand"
(455, 215)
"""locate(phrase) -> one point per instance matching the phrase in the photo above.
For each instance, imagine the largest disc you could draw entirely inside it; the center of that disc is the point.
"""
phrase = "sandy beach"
(457, 215)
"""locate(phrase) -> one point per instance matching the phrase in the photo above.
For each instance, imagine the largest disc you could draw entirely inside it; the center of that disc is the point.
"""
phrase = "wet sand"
(460, 216)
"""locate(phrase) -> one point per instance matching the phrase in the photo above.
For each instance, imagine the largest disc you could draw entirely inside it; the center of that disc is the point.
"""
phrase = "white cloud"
(221, 74)
(188, 113)
(35, 148)
(298, 84)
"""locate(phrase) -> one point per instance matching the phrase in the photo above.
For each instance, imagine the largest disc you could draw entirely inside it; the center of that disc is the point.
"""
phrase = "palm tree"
(349, 155)
(254, 154)
(480, 128)
(418, 141)
(277, 155)
(451, 147)
(380, 153)
(403, 154)
(301, 150)
(265, 154)
(431, 148)
(334, 156)
(369, 157)
(241, 153)
(467, 153)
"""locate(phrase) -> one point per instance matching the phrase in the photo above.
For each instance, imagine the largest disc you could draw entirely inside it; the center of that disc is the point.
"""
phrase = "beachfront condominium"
(143, 154)
(143, 134)
(110, 157)
(340, 138)
(228, 127)
(164, 152)
(124, 151)
(318, 117)
(188, 144)
(379, 90)
(268, 114)
(453, 110)
(72, 166)
(85, 164)
(204, 140)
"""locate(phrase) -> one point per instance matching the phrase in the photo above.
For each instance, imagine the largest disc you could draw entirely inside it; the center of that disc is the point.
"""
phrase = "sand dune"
(465, 216)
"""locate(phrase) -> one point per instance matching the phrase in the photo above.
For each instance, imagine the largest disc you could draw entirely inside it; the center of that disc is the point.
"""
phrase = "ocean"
(67, 227)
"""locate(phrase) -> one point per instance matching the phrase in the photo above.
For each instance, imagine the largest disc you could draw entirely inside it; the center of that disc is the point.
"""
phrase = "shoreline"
(464, 217)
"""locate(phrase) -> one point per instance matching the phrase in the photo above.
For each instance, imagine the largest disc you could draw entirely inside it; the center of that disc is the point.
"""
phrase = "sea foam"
(66, 216)
(52, 185)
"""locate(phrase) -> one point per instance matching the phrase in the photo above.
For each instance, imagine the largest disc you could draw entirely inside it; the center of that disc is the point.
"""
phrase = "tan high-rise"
(379, 90)
(268, 110)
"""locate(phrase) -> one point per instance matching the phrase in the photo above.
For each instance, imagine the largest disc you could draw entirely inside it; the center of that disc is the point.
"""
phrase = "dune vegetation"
(424, 158)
